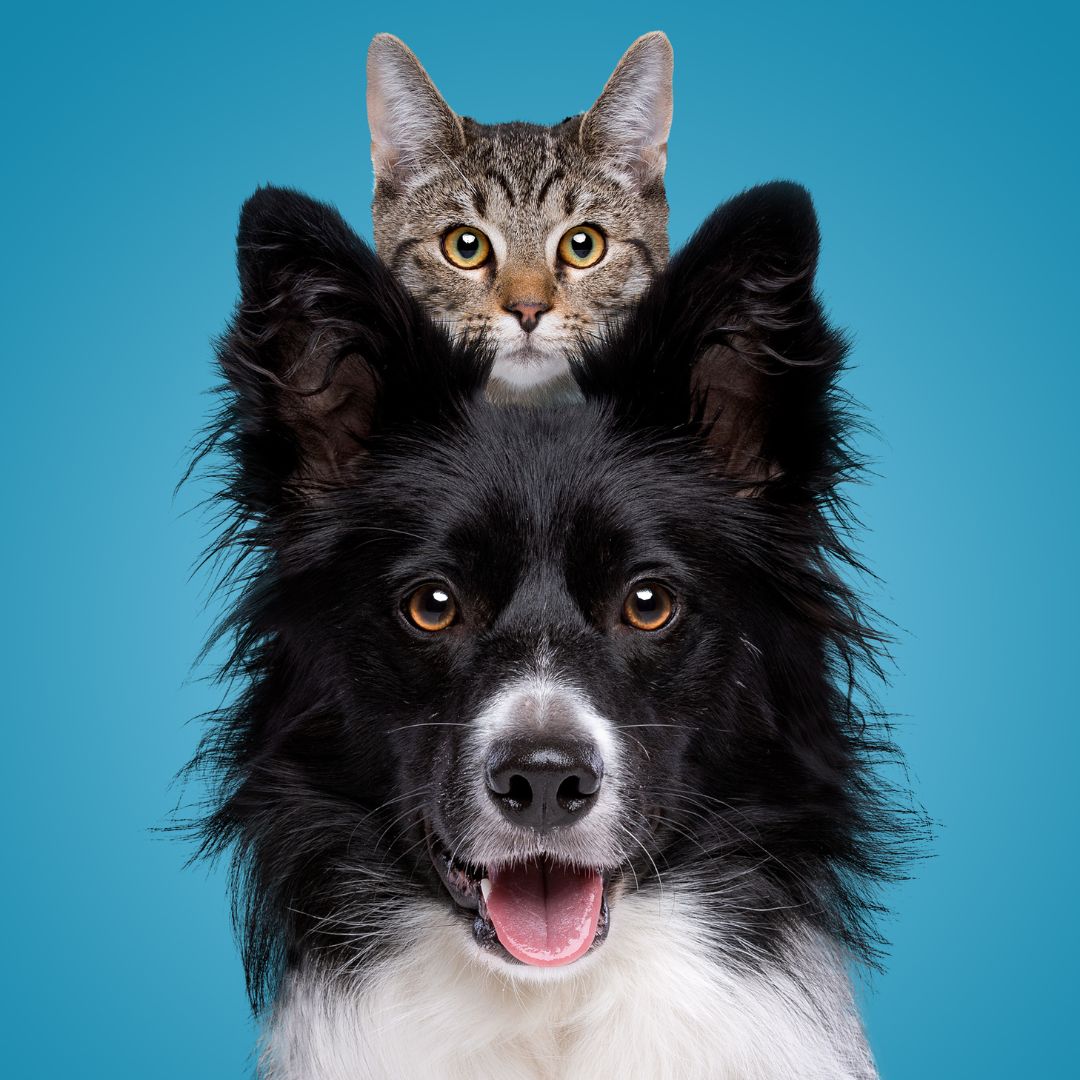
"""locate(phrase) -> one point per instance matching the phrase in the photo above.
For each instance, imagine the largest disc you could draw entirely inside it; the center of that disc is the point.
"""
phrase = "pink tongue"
(545, 914)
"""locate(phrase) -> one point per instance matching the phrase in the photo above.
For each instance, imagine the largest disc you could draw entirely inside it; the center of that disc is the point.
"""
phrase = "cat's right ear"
(631, 119)
(325, 351)
(411, 125)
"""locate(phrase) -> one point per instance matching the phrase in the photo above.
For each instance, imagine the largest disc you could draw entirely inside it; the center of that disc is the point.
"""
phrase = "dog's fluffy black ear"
(325, 349)
(731, 342)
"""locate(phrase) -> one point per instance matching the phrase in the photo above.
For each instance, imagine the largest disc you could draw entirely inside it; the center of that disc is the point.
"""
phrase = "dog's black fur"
(361, 460)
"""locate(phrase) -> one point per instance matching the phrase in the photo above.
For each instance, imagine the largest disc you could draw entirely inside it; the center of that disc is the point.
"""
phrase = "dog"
(549, 760)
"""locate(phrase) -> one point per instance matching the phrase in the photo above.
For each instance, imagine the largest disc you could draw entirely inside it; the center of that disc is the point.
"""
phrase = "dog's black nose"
(541, 784)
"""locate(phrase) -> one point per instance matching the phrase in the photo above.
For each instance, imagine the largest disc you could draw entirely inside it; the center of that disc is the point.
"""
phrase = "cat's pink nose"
(528, 313)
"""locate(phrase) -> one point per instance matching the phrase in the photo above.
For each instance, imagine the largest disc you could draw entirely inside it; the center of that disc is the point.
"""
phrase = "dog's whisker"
(644, 751)
(684, 833)
(424, 789)
(405, 815)
(685, 727)
(440, 723)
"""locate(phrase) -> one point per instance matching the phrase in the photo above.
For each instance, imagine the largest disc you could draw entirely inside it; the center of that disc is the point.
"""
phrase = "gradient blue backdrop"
(939, 143)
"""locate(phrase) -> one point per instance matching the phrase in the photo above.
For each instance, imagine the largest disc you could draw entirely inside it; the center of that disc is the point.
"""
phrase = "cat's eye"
(431, 607)
(582, 246)
(648, 606)
(466, 247)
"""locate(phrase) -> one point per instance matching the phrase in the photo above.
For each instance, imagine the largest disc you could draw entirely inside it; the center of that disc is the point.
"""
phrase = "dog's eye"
(582, 247)
(431, 608)
(649, 606)
(466, 247)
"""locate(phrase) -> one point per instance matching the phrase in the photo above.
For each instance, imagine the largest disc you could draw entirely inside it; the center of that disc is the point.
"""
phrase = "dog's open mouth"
(543, 912)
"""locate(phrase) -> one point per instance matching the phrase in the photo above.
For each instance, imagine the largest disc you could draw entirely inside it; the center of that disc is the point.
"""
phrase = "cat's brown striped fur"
(523, 185)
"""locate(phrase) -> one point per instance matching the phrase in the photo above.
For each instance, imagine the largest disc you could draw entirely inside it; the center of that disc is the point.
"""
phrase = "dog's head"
(523, 660)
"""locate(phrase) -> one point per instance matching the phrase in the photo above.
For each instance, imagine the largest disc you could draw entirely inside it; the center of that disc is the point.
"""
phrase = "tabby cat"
(533, 236)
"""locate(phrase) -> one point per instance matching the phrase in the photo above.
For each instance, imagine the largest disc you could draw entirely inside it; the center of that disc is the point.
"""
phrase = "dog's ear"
(325, 350)
(731, 342)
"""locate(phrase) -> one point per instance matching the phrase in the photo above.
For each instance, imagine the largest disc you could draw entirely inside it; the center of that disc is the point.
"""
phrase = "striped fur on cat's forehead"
(523, 185)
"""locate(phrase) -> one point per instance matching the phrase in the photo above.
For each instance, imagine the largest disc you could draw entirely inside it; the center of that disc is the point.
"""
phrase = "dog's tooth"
(485, 888)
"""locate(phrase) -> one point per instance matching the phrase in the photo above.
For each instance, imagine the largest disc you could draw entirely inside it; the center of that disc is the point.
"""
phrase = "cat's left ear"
(631, 119)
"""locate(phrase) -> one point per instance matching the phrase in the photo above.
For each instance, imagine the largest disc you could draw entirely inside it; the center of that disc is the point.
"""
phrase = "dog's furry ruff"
(657, 1001)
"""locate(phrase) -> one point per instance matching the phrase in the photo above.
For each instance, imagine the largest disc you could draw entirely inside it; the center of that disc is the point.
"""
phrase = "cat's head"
(535, 237)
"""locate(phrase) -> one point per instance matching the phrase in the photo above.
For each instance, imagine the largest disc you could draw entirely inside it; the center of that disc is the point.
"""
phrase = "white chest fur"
(655, 1003)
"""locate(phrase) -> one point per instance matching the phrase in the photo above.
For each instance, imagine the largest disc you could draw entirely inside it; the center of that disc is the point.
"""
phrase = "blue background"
(939, 143)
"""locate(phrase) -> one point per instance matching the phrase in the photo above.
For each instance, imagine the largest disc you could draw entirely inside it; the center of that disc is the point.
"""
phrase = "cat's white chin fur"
(524, 361)
(524, 373)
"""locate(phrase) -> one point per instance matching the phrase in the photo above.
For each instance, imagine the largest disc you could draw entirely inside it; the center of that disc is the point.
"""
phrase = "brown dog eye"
(431, 608)
(649, 606)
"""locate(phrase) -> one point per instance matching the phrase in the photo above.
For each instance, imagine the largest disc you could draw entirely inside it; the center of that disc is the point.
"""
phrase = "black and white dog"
(549, 762)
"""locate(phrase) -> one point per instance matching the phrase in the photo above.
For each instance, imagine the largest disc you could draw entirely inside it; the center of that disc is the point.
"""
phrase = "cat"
(535, 238)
